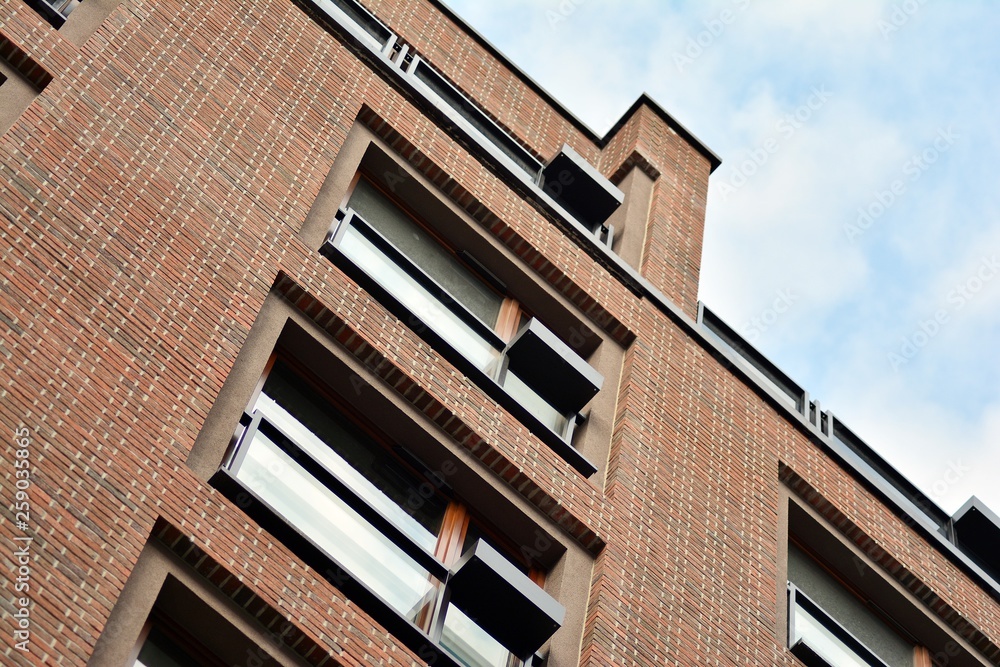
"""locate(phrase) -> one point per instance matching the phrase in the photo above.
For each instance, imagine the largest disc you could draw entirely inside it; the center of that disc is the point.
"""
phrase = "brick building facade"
(329, 338)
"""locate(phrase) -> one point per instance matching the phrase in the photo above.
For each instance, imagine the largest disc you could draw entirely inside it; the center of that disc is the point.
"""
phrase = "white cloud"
(857, 298)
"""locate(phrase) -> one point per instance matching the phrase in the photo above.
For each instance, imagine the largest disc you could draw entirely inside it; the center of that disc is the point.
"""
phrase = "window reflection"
(276, 469)
(437, 291)
(365, 467)
(419, 301)
(815, 635)
(336, 528)
(468, 642)
(441, 265)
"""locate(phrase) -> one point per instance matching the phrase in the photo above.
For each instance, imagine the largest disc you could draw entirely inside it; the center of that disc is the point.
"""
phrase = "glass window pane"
(468, 642)
(365, 466)
(419, 301)
(851, 614)
(535, 404)
(336, 528)
(426, 252)
(821, 640)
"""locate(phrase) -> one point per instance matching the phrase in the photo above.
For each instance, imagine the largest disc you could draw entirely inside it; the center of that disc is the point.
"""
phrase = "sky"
(853, 229)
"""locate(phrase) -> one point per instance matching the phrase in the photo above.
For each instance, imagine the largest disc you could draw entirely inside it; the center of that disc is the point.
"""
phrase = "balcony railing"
(299, 488)
(355, 19)
(974, 529)
(547, 402)
(819, 641)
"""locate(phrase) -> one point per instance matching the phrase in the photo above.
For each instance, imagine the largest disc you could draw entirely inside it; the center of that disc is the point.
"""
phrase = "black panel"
(977, 531)
(551, 368)
(503, 601)
(579, 188)
(485, 382)
(809, 657)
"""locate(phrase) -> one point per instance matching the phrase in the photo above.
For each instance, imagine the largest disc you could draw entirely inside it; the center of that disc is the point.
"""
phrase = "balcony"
(547, 402)
(343, 501)
(973, 531)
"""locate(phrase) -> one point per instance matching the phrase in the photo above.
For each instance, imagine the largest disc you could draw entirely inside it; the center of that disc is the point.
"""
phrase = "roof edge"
(645, 100)
(713, 159)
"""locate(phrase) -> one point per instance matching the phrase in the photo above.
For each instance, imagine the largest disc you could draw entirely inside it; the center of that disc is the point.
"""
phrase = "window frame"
(511, 310)
(439, 563)
(399, 454)
(55, 15)
(161, 585)
(378, 389)
(802, 525)
(490, 380)
(805, 652)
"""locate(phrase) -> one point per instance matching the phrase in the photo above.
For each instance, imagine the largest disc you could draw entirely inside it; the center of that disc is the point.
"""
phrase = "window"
(441, 89)
(21, 80)
(160, 649)
(381, 517)
(464, 311)
(577, 190)
(845, 610)
(829, 625)
(54, 11)
(184, 629)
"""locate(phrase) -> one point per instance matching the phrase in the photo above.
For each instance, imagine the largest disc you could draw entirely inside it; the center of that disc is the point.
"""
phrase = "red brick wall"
(151, 195)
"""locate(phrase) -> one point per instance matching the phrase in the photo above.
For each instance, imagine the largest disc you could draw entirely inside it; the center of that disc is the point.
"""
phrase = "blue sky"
(859, 183)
